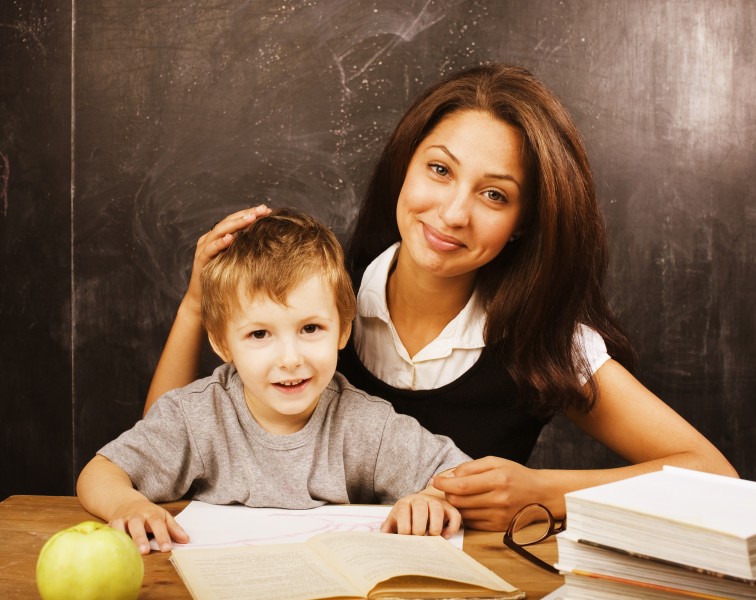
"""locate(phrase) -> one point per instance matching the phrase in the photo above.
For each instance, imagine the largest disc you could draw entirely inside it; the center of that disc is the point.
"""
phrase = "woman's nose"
(454, 209)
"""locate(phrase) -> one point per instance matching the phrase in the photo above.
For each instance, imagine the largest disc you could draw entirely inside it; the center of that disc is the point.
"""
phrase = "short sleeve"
(409, 456)
(591, 345)
(157, 453)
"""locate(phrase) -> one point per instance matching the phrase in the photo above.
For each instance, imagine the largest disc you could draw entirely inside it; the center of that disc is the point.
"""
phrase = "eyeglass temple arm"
(531, 557)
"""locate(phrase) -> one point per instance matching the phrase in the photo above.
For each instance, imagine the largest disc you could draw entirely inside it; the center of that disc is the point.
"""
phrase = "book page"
(270, 572)
(376, 557)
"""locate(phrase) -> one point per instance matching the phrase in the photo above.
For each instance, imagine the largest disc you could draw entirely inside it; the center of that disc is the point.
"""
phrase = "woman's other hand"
(489, 491)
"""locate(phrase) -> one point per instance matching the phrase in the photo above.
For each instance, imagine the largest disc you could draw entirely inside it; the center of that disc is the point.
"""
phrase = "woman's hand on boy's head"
(138, 517)
(217, 239)
(423, 514)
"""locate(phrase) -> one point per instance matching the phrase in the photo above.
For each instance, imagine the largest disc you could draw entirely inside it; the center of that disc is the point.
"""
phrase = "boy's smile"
(291, 384)
(285, 354)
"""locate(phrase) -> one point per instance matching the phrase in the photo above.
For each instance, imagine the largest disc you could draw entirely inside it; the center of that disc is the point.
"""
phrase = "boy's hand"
(137, 517)
(421, 514)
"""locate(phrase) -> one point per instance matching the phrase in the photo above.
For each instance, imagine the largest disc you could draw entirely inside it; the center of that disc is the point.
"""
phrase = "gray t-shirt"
(201, 442)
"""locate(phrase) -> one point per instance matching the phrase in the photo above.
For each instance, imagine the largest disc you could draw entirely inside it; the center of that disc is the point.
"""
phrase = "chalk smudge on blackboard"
(4, 179)
(225, 113)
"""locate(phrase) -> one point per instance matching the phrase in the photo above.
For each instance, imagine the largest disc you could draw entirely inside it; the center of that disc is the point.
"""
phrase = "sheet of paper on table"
(211, 525)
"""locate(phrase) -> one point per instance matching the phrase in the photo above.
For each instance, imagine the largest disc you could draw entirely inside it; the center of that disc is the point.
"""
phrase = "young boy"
(275, 426)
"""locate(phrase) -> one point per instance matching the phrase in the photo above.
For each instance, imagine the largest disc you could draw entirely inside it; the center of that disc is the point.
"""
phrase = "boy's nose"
(290, 355)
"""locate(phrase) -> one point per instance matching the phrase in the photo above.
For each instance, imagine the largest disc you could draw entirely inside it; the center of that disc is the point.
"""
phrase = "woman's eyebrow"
(446, 151)
(505, 177)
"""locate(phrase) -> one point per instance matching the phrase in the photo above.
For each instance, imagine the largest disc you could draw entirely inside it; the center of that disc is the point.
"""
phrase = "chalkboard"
(183, 112)
(36, 405)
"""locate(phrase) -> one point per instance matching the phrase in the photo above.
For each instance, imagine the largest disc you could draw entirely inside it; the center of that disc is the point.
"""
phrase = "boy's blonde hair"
(270, 257)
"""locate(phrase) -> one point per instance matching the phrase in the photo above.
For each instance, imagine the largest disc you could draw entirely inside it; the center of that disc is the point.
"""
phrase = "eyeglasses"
(532, 524)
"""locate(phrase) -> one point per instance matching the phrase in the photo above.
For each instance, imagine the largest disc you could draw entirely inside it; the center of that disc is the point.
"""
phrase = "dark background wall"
(127, 129)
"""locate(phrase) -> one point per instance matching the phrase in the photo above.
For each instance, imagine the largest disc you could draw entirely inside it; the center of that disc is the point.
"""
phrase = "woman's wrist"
(551, 486)
(190, 308)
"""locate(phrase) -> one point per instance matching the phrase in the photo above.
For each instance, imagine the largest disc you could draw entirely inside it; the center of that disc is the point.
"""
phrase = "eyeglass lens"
(531, 525)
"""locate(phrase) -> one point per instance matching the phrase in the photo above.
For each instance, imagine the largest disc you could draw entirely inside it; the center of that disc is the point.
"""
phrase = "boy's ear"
(219, 349)
(344, 336)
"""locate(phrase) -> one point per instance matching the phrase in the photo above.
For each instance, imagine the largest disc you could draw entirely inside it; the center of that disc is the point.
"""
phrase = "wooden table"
(26, 522)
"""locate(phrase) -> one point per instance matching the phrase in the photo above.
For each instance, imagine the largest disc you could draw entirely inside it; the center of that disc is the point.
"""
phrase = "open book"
(348, 564)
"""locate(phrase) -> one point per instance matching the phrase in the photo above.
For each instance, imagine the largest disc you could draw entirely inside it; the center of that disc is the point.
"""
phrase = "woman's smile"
(440, 242)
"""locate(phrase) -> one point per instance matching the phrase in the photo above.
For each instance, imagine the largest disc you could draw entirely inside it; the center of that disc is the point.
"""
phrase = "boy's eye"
(259, 334)
(439, 169)
(311, 328)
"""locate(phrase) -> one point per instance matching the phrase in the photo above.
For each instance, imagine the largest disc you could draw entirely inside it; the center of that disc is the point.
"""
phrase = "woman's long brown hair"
(543, 285)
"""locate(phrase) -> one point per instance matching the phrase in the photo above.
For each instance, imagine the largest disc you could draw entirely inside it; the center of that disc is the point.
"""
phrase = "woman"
(480, 255)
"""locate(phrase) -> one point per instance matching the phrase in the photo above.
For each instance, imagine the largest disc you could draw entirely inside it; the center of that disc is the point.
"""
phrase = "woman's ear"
(219, 349)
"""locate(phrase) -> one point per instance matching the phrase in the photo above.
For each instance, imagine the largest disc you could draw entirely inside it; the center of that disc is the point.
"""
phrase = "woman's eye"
(259, 334)
(439, 169)
(310, 328)
(496, 195)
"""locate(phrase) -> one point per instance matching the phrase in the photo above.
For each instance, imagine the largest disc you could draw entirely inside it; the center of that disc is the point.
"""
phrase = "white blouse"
(447, 357)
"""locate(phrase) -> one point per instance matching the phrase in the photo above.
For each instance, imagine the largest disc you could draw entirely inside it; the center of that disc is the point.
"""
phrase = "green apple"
(89, 561)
